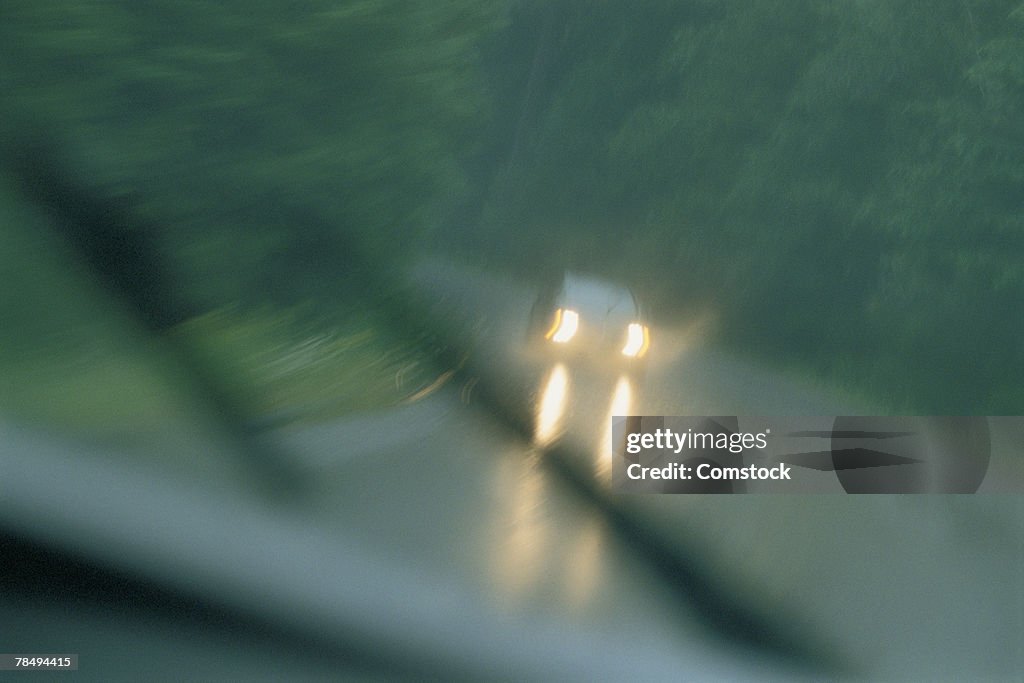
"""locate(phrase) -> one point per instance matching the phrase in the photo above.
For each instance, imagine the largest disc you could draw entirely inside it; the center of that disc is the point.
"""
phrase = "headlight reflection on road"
(553, 400)
(534, 556)
(522, 530)
(621, 403)
(585, 558)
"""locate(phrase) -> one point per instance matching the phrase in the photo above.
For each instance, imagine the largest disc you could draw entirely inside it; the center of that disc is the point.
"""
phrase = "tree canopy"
(842, 183)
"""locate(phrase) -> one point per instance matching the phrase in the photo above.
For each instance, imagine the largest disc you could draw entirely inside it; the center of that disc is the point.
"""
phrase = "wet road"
(433, 542)
(471, 534)
(904, 586)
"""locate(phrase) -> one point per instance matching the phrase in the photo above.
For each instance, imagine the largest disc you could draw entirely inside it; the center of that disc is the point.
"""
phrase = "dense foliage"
(273, 140)
(841, 183)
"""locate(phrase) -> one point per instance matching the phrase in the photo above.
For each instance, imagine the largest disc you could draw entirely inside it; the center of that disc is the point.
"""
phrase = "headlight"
(637, 340)
(564, 327)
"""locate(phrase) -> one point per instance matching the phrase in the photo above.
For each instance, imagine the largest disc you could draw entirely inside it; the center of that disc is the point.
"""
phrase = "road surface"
(906, 586)
(471, 534)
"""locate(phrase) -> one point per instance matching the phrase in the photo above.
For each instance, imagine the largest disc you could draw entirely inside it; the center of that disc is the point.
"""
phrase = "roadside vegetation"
(73, 359)
(280, 163)
(838, 184)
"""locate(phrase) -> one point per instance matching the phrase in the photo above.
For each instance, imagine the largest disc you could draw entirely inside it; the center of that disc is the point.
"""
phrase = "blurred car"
(586, 318)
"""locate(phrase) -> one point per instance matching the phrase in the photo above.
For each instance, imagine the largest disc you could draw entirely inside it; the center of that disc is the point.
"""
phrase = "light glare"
(636, 341)
(552, 405)
(567, 322)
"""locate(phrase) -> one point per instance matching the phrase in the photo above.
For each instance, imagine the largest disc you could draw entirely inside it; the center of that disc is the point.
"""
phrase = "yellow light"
(566, 324)
(554, 398)
(637, 341)
(555, 325)
(621, 405)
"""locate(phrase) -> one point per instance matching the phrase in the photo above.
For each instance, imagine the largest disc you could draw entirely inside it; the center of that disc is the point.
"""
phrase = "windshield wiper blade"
(120, 250)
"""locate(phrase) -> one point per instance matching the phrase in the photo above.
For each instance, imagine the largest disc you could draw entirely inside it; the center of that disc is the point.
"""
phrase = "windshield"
(597, 297)
(298, 351)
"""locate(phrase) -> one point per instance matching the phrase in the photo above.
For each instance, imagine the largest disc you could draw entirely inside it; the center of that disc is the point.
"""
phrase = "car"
(584, 318)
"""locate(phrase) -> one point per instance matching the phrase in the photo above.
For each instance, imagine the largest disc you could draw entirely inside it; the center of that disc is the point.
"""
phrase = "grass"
(285, 369)
(72, 359)
(306, 372)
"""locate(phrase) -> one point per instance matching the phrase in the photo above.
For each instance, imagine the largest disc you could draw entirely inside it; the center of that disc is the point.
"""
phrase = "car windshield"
(596, 297)
(325, 328)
